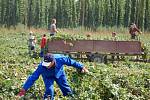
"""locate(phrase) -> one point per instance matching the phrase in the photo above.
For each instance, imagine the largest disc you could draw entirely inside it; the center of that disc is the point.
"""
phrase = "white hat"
(31, 32)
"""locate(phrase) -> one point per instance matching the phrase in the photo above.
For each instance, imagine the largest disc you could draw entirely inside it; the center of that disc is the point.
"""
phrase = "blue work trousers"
(62, 83)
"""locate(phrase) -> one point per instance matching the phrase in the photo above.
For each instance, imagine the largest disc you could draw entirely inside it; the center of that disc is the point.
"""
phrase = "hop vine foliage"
(72, 13)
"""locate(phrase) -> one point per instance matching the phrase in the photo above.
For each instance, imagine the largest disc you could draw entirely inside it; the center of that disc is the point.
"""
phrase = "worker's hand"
(140, 32)
(58, 31)
(21, 92)
(84, 70)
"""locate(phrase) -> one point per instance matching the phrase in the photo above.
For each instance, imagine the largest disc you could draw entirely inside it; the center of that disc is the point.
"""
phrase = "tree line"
(74, 13)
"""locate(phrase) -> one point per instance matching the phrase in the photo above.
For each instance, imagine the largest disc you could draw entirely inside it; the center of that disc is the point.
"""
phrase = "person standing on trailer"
(133, 31)
(53, 29)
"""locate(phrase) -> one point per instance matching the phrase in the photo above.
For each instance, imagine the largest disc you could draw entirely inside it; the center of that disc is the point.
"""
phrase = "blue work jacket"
(60, 61)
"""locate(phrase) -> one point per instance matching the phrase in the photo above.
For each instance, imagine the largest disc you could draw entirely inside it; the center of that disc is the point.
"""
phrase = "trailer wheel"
(89, 56)
(99, 58)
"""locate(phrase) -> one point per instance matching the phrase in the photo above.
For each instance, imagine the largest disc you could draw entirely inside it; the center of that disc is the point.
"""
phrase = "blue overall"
(56, 73)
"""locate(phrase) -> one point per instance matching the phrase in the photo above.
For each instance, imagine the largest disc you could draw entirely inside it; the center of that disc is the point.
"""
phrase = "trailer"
(95, 50)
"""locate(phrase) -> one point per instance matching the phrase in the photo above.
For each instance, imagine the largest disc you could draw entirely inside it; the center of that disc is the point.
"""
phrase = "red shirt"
(133, 30)
(43, 42)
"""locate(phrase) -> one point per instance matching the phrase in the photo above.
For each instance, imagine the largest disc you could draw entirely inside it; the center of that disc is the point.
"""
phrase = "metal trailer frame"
(95, 50)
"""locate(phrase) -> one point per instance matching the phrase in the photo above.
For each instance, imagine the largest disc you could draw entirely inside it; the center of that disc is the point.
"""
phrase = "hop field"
(113, 81)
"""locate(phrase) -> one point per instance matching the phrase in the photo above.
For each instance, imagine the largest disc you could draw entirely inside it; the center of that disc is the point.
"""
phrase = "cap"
(48, 58)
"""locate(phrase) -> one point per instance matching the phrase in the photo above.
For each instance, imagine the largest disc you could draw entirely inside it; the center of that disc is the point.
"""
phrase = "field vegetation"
(122, 80)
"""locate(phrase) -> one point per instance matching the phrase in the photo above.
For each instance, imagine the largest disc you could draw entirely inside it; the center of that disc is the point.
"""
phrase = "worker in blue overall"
(52, 70)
